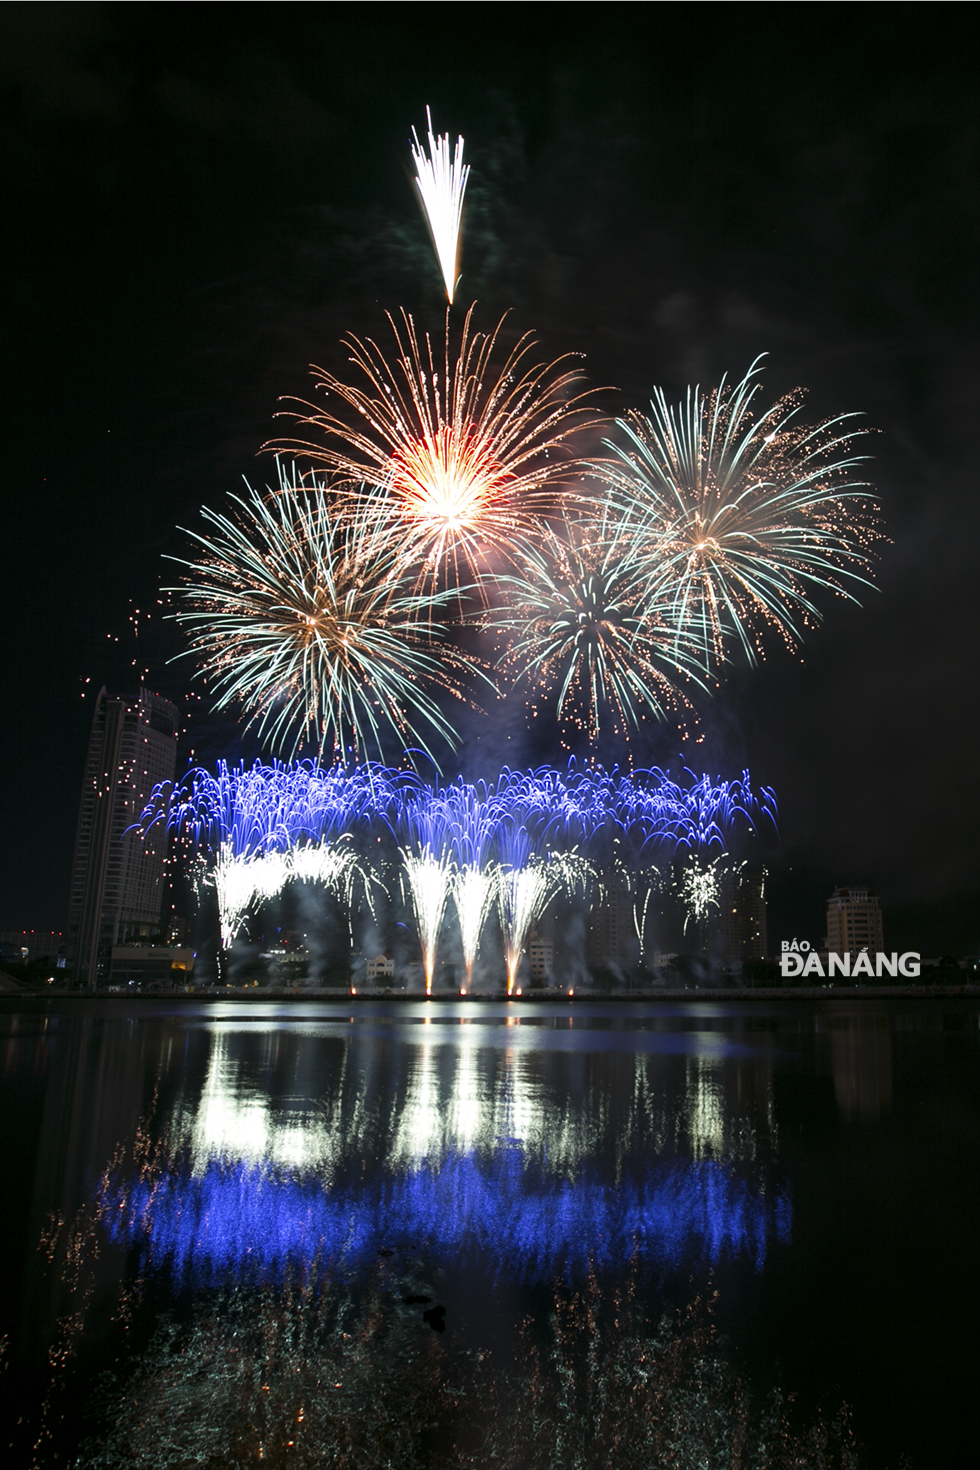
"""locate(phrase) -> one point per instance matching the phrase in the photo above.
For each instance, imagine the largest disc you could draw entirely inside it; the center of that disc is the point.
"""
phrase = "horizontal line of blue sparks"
(237, 1218)
(272, 808)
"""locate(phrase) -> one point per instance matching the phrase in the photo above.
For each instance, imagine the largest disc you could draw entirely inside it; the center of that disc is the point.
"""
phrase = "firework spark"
(305, 619)
(700, 890)
(472, 821)
(463, 455)
(441, 180)
(586, 620)
(244, 883)
(527, 881)
(739, 518)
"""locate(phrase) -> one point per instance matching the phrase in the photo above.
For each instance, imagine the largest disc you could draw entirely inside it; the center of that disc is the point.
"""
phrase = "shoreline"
(707, 995)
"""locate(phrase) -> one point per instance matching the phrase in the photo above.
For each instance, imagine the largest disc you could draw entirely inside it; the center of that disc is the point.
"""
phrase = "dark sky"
(199, 200)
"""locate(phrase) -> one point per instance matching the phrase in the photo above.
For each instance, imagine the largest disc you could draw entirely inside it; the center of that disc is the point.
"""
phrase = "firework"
(427, 865)
(586, 621)
(272, 808)
(516, 842)
(527, 881)
(739, 518)
(244, 883)
(441, 181)
(700, 890)
(472, 820)
(305, 619)
(462, 454)
(705, 812)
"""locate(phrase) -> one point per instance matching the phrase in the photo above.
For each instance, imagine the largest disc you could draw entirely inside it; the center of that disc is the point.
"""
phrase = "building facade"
(741, 921)
(118, 878)
(31, 944)
(854, 922)
(612, 934)
(541, 954)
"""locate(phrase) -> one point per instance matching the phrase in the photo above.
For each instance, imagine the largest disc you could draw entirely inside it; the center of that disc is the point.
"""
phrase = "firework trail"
(739, 518)
(427, 866)
(260, 809)
(526, 883)
(305, 619)
(586, 620)
(270, 825)
(441, 180)
(471, 823)
(463, 454)
(703, 813)
(516, 841)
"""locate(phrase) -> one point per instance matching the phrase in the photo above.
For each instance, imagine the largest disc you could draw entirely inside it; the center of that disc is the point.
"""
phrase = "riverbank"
(573, 996)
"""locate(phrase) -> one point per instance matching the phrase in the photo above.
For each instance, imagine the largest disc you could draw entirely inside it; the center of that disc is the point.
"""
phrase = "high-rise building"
(853, 922)
(741, 919)
(117, 878)
(612, 936)
(541, 953)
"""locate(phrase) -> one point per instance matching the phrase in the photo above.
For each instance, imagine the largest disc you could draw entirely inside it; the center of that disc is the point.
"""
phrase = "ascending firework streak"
(463, 454)
(427, 864)
(739, 518)
(441, 181)
(526, 883)
(473, 820)
(588, 623)
(305, 618)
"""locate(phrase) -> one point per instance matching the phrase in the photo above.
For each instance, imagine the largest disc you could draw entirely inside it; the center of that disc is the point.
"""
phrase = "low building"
(31, 944)
(381, 967)
(854, 922)
(150, 964)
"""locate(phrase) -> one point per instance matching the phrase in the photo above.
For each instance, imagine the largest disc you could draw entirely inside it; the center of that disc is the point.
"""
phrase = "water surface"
(716, 1233)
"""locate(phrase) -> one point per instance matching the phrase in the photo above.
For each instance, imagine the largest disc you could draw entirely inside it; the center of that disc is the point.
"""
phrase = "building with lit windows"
(854, 922)
(741, 919)
(117, 878)
(541, 954)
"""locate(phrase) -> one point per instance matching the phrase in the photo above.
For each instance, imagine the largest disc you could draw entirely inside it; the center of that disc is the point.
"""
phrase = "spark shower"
(455, 516)
(460, 517)
(508, 847)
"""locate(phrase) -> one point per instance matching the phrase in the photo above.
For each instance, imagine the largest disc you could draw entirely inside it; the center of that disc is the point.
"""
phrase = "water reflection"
(275, 1201)
(473, 1149)
(861, 1061)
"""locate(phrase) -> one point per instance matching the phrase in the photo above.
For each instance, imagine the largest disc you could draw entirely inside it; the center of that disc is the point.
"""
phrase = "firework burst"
(304, 617)
(441, 180)
(739, 518)
(585, 620)
(463, 454)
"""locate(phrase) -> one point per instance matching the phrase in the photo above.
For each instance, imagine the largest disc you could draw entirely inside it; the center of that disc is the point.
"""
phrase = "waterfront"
(444, 1234)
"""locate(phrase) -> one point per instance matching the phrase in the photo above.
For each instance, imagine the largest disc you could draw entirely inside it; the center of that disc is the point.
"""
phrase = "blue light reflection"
(245, 1218)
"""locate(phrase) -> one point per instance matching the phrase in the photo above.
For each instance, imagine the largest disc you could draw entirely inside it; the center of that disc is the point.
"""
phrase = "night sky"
(200, 200)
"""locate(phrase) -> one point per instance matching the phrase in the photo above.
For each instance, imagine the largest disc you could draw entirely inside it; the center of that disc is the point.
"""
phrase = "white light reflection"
(457, 1089)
